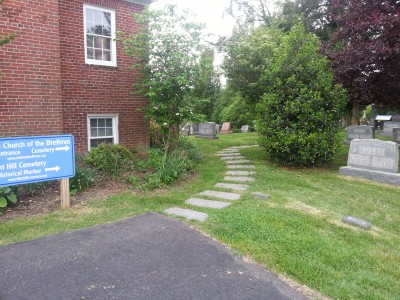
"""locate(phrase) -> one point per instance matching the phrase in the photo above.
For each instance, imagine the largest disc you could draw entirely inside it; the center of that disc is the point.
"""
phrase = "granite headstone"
(396, 135)
(245, 129)
(388, 128)
(195, 129)
(359, 132)
(373, 159)
(226, 128)
(207, 130)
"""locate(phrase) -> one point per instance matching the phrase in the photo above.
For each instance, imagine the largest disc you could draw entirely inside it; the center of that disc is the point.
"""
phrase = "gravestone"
(245, 129)
(217, 127)
(359, 132)
(396, 135)
(185, 130)
(208, 131)
(396, 118)
(388, 128)
(373, 159)
(226, 128)
(195, 129)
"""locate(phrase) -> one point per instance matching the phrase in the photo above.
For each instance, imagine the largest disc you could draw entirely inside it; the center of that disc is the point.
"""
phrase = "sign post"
(39, 158)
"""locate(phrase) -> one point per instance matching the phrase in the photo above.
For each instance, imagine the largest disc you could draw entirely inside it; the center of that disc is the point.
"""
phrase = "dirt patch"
(49, 200)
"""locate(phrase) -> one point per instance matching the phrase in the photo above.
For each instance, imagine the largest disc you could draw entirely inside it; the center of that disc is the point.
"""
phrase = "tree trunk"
(355, 119)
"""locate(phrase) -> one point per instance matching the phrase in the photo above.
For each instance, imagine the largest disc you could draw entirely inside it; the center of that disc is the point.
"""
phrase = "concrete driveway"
(145, 257)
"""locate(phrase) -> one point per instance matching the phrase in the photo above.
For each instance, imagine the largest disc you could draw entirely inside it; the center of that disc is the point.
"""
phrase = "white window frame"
(113, 62)
(115, 123)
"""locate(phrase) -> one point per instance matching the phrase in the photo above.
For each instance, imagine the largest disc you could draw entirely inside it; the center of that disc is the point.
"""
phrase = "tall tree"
(208, 87)
(249, 54)
(365, 50)
(167, 52)
(251, 12)
(314, 14)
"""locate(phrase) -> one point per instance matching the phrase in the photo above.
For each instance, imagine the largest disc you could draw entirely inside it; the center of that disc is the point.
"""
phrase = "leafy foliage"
(248, 55)
(7, 196)
(239, 112)
(111, 159)
(365, 49)
(182, 160)
(85, 177)
(167, 53)
(315, 15)
(298, 117)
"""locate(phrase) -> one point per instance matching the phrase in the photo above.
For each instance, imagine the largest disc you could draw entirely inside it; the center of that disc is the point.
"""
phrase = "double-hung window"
(102, 129)
(100, 46)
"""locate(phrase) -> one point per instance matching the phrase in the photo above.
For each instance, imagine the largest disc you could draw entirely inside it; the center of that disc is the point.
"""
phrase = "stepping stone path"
(232, 186)
(234, 160)
(232, 157)
(238, 178)
(238, 161)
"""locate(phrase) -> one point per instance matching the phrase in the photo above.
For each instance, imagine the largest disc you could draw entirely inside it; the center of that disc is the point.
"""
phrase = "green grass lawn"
(297, 231)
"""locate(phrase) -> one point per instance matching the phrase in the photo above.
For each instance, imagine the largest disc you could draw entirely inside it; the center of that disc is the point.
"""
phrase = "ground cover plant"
(297, 232)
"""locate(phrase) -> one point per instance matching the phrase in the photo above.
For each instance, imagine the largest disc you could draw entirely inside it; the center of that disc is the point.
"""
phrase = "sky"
(210, 12)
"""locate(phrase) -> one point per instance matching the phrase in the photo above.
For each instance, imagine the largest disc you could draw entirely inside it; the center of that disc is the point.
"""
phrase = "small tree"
(167, 51)
(298, 117)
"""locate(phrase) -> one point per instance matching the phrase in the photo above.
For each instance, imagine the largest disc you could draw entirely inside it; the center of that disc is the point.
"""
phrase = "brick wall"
(30, 87)
(92, 89)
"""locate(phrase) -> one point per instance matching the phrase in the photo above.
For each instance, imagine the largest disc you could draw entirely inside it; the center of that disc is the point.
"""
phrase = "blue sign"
(38, 158)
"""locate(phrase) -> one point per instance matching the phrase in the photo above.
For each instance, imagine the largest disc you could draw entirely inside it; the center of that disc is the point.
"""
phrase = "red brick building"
(64, 72)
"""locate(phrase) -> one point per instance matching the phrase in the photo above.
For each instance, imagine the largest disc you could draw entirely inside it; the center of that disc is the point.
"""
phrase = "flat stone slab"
(232, 186)
(239, 178)
(187, 213)
(356, 222)
(238, 161)
(240, 173)
(384, 177)
(221, 195)
(228, 154)
(240, 166)
(260, 195)
(232, 157)
(229, 150)
(207, 203)
(242, 147)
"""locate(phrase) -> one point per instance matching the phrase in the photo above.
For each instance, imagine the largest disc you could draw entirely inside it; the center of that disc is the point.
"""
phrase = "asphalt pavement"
(144, 257)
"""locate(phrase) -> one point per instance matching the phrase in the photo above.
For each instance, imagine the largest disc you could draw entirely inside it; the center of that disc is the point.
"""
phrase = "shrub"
(183, 159)
(7, 196)
(111, 159)
(84, 178)
(239, 113)
(298, 116)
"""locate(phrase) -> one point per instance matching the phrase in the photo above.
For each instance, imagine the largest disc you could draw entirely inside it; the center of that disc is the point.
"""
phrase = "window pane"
(98, 17)
(93, 143)
(98, 54)
(107, 43)
(102, 122)
(89, 14)
(90, 54)
(93, 132)
(89, 40)
(89, 27)
(98, 42)
(106, 55)
(109, 132)
(98, 29)
(93, 123)
(108, 122)
(102, 132)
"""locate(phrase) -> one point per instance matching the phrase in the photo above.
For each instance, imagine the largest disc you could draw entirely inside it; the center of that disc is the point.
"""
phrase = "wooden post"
(64, 190)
